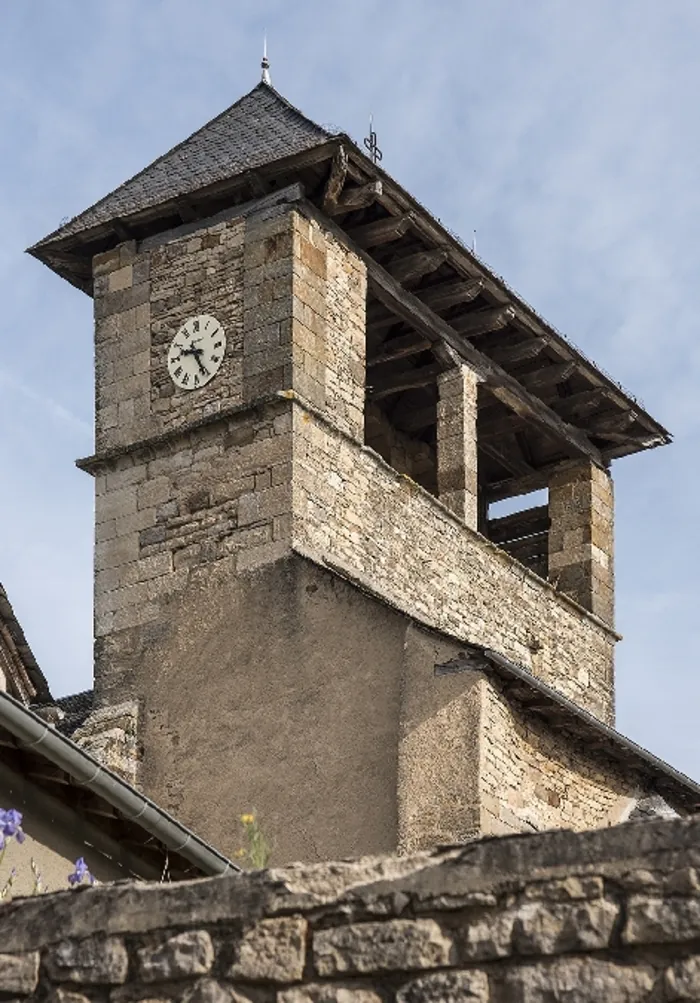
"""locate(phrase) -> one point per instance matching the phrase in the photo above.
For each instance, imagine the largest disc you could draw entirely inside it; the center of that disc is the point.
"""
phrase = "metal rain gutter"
(35, 734)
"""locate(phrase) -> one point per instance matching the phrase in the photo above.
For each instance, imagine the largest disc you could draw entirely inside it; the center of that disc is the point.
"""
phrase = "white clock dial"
(196, 352)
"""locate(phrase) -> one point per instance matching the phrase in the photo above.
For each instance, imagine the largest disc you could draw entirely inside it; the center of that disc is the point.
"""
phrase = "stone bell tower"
(292, 538)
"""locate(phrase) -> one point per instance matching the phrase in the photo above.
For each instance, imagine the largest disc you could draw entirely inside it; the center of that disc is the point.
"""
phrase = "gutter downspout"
(33, 733)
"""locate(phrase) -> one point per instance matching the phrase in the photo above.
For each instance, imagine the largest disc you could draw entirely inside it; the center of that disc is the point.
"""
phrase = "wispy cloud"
(9, 384)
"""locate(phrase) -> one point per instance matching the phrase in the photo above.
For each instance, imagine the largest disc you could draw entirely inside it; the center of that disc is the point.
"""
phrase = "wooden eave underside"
(431, 304)
(58, 784)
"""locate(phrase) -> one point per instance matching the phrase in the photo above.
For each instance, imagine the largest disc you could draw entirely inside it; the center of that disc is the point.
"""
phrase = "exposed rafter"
(548, 376)
(503, 386)
(398, 382)
(399, 348)
(336, 180)
(382, 231)
(482, 321)
(512, 354)
(415, 266)
(448, 294)
(121, 229)
(358, 197)
(515, 464)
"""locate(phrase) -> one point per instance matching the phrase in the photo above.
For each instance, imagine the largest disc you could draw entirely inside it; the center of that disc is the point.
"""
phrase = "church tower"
(309, 396)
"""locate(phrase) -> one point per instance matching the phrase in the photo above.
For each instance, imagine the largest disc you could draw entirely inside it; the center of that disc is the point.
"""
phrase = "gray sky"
(565, 133)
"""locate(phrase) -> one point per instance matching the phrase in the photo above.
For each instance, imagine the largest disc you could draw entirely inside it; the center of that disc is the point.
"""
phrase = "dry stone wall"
(353, 510)
(612, 915)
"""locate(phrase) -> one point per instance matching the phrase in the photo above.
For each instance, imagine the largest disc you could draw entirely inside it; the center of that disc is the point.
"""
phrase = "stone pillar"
(581, 536)
(456, 443)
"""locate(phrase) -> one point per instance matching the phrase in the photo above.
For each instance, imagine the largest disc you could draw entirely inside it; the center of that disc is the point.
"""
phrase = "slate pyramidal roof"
(543, 400)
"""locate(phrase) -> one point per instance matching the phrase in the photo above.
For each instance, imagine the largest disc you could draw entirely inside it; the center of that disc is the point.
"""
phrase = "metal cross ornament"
(371, 144)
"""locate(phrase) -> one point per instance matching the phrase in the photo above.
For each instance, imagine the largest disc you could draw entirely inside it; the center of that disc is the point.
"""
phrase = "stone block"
(272, 949)
(447, 987)
(19, 973)
(552, 928)
(329, 993)
(94, 961)
(121, 278)
(682, 980)
(579, 980)
(397, 945)
(181, 956)
(652, 920)
(212, 991)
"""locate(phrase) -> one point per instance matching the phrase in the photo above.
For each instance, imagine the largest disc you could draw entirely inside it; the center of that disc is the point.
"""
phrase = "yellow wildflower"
(247, 819)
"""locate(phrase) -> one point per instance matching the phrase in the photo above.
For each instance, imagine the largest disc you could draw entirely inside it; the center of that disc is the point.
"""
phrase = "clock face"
(196, 352)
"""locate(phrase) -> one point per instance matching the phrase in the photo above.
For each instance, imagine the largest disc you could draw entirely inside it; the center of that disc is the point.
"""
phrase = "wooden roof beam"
(382, 231)
(405, 381)
(415, 266)
(482, 321)
(336, 180)
(548, 376)
(448, 294)
(356, 198)
(501, 384)
(510, 462)
(510, 355)
(400, 348)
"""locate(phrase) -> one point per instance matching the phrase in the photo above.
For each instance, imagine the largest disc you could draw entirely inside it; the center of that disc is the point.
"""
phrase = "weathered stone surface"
(447, 987)
(190, 953)
(212, 991)
(375, 947)
(549, 928)
(93, 961)
(329, 994)
(19, 973)
(487, 937)
(66, 996)
(272, 949)
(652, 920)
(682, 980)
(579, 980)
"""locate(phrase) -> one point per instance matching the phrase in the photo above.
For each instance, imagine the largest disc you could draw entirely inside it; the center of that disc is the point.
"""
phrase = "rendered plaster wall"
(353, 510)
(612, 915)
(534, 775)
(273, 689)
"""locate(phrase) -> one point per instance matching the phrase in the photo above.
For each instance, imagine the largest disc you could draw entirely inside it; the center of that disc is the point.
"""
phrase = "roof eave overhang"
(71, 256)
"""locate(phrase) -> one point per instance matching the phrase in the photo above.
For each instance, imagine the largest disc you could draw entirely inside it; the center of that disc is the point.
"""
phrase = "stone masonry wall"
(222, 492)
(353, 510)
(534, 777)
(291, 300)
(558, 917)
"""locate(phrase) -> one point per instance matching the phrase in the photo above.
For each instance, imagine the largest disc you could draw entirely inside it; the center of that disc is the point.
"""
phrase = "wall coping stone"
(631, 854)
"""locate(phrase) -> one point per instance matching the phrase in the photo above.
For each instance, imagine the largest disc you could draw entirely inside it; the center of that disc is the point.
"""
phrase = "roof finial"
(265, 65)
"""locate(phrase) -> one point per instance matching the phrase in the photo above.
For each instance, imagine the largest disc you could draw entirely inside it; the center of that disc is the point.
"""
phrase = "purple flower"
(80, 873)
(10, 825)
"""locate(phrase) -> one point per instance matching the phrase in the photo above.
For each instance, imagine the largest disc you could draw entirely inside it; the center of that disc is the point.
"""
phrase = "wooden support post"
(456, 443)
